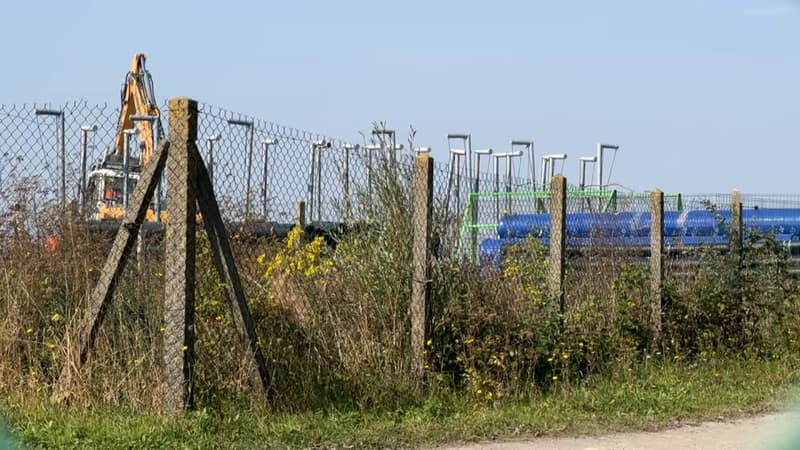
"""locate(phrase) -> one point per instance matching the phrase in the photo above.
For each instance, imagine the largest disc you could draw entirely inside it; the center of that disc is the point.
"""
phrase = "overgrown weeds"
(333, 319)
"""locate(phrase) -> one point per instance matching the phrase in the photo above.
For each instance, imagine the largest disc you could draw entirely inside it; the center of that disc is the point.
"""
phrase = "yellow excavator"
(106, 187)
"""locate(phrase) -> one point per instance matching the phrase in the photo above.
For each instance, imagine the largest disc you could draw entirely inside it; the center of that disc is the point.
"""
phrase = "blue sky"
(701, 96)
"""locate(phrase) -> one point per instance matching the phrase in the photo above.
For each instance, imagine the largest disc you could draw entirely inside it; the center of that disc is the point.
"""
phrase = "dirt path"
(762, 432)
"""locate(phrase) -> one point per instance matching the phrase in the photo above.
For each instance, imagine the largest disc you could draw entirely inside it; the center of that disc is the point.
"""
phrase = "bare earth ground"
(763, 432)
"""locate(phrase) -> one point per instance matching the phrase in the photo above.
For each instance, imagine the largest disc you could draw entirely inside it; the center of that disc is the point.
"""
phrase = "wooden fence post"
(656, 260)
(420, 290)
(179, 301)
(558, 232)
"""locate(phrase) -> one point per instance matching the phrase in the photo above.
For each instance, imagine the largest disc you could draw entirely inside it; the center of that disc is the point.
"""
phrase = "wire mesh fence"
(261, 169)
(333, 307)
(44, 150)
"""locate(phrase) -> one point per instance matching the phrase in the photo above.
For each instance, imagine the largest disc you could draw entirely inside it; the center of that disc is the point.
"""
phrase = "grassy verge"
(645, 398)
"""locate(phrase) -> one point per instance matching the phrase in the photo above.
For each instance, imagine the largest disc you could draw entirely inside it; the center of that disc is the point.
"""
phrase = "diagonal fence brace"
(226, 266)
(115, 264)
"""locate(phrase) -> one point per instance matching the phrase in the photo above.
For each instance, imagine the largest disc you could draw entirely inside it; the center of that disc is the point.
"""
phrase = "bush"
(739, 304)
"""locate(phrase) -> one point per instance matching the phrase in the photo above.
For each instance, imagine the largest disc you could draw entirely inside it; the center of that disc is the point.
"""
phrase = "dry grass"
(334, 322)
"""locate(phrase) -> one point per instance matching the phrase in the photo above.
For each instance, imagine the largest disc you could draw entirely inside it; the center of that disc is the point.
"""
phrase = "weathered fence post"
(300, 214)
(179, 301)
(737, 240)
(737, 224)
(656, 260)
(190, 186)
(94, 313)
(558, 222)
(420, 290)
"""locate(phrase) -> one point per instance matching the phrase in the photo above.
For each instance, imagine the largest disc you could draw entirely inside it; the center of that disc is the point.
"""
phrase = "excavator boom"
(138, 99)
(113, 179)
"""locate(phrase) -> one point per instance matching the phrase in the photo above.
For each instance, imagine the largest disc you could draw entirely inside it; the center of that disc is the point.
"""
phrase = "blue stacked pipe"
(632, 229)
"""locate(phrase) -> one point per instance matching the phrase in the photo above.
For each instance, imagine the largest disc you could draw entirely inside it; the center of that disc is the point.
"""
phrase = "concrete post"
(737, 239)
(656, 260)
(558, 222)
(737, 225)
(222, 255)
(179, 302)
(300, 214)
(420, 291)
(103, 292)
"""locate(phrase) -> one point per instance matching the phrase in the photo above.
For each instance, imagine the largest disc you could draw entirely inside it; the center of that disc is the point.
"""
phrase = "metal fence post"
(85, 130)
(63, 166)
(153, 122)
(348, 203)
(315, 179)
(210, 152)
(249, 170)
(62, 152)
(420, 293)
(318, 191)
(311, 180)
(496, 166)
(249, 147)
(265, 181)
(656, 260)
(558, 221)
(179, 302)
(473, 202)
(126, 168)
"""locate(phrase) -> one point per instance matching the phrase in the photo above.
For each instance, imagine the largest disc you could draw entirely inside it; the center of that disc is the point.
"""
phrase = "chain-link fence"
(260, 169)
(334, 308)
(45, 151)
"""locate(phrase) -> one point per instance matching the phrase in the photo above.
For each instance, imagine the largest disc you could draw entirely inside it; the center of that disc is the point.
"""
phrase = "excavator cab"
(106, 188)
(138, 110)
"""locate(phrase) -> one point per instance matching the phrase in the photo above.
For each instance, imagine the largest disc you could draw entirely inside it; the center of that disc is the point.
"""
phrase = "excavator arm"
(138, 99)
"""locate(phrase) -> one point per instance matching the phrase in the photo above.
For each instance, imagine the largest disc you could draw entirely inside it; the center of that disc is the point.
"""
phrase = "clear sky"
(702, 96)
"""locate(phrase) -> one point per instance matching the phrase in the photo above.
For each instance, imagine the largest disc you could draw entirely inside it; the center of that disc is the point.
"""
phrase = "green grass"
(646, 398)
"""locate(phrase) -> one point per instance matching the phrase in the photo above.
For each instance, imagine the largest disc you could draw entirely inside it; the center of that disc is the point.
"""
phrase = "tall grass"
(334, 323)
